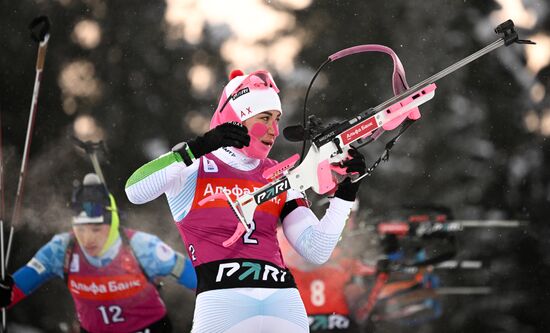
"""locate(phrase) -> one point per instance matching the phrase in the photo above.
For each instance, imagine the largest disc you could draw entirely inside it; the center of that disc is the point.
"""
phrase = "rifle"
(427, 229)
(320, 169)
(413, 299)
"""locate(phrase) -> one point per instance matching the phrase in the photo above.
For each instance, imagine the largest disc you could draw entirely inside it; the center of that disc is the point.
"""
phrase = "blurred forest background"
(145, 75)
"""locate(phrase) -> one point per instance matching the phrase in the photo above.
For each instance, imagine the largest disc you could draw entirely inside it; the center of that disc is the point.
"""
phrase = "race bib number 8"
(317, 292)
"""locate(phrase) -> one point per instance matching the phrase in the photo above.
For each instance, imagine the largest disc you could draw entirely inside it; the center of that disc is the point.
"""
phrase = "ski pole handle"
(40, 33)
(42, 54)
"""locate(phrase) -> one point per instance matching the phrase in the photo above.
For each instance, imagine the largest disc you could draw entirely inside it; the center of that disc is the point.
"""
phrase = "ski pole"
(2, 267)
(40, 33)
(91, 149)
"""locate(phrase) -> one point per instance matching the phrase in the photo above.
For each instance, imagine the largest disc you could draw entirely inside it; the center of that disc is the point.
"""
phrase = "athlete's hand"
(232, 134)
(346, 189)
(6, 286)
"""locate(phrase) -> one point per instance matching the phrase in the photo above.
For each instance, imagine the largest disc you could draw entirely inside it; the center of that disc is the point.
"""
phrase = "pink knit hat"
(244, 97)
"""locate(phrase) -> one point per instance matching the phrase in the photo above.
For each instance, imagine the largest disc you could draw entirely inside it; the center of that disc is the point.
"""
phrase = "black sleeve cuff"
(291, 205)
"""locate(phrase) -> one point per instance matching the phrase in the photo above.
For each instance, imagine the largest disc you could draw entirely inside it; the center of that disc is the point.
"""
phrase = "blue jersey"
(155, 257)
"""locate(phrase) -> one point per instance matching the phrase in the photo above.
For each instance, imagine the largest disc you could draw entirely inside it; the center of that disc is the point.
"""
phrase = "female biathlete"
(243, 285)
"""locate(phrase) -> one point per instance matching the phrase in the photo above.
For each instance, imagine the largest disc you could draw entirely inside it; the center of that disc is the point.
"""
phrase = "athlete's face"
(92, 237)
(263, 129)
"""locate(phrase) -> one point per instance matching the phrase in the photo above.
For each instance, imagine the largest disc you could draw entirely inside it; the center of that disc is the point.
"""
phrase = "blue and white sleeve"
(46, 264)
(158, 259)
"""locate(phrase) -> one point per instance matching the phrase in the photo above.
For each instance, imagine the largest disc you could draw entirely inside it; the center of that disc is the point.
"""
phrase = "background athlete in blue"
(114, 256)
